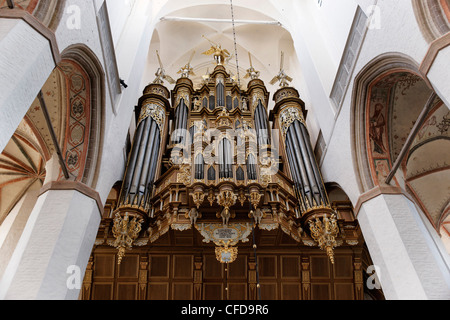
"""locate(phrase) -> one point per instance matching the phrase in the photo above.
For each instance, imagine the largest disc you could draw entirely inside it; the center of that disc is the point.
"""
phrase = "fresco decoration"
(377, 134)
(391, 95)
(28, 5)
(436, 126)
(78, 117)
(22, 167)
(408, 100)
(427, 166)
(54, 95)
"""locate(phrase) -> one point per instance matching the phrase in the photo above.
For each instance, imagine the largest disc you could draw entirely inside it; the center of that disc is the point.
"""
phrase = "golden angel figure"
(220, 55)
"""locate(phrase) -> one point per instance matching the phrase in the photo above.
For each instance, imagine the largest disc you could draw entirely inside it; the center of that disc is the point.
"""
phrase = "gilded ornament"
(154, 111)
(125, 232)
(226, 255)
(220, 55)
(255, 199)
(325, 233)
(184, 175)
(198, 198)
(226, 199)
(288, 116)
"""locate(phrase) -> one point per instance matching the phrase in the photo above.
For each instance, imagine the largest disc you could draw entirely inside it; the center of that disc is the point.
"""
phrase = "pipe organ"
(208, 159)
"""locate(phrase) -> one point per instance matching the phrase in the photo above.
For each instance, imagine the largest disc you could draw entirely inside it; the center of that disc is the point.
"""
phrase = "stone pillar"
(28, 56)
(54, 250)
(411, 265)
(12, 228)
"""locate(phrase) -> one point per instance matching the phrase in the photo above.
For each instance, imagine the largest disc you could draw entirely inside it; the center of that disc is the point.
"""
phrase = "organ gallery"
(223, 199)
(162, 150)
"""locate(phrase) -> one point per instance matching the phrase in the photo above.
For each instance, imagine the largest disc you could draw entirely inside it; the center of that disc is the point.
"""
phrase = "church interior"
(228, 150)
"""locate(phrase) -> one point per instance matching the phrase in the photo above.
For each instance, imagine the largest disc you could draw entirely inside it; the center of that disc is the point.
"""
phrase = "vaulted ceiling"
(179, 34)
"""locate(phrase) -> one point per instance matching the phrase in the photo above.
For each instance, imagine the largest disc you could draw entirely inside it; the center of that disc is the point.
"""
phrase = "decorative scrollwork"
(288, 116)
(325, 233)
(154, 111)
(255, 199)
(199, 198)
(125, 232)
(184, 175)
(227, 254)
(226, 199)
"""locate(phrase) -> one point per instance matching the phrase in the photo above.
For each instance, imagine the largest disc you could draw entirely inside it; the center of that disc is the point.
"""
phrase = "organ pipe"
(142, 164)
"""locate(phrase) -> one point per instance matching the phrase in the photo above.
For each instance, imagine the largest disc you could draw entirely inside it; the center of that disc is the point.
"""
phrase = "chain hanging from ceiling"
(235, 42)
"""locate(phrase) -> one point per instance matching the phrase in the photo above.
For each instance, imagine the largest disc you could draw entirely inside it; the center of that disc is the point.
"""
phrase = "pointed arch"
(398, 131)
(433, 18)
(359, 110)
(84, 57)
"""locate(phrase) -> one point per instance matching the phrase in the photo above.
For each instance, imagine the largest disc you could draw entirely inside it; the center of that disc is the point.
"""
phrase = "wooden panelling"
(158, 291)
(102, 291)
(238, 269)
(344, 291)
(183, 267)
(182, 291)
(104, 265)
(290, 291)
(343, 268)
(286, 240)
(320, 291)
(290, 267)
(267, 267)
(320, 267)
(129, 268)
(159, 266)
(237, 291)
(284, 274)
(269, 291)
(213, 291)
(212, 269)
(126, 291)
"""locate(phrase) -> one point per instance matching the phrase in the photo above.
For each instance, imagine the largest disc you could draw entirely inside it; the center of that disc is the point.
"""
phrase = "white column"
(412, 265)
(26, 62)
(11, 229)
(57, 239)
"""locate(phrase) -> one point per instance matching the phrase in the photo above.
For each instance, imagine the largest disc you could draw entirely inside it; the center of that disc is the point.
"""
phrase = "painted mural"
(391, 95)
(28, 5)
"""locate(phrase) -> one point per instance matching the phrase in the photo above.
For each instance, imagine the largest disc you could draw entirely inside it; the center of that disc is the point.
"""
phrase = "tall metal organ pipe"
(182, 99)
(290, 117)
(143, 161)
